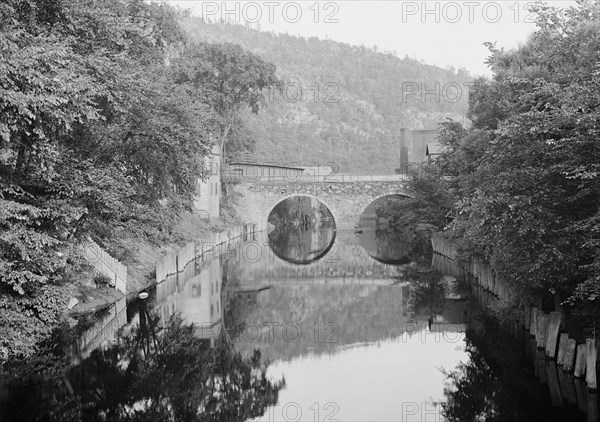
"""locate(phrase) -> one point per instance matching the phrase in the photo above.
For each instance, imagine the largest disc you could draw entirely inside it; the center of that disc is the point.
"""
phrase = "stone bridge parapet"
(346, 201)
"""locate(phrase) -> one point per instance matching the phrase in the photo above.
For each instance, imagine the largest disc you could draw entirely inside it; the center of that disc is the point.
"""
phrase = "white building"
(208, 192)
(200, 301)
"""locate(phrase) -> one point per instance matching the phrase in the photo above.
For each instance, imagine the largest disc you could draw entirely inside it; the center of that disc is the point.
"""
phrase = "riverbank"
(544, 328)
(85, 291)
(141, 264)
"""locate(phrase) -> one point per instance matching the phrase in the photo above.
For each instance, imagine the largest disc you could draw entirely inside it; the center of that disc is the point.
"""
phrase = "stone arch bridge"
(346, 200)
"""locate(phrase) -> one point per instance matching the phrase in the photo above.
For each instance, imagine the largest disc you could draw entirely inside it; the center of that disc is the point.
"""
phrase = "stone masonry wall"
(346, 201)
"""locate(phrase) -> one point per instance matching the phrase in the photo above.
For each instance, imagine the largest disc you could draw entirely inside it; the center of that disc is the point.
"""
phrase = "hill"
(340, 103)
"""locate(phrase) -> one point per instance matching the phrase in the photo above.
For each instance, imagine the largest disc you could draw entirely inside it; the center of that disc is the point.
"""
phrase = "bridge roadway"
(318, 178)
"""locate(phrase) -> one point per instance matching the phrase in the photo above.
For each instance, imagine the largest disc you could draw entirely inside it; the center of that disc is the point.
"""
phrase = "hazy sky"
(439, 32)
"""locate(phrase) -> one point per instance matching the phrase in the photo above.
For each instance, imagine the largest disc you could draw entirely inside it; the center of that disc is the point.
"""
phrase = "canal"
(303, 323)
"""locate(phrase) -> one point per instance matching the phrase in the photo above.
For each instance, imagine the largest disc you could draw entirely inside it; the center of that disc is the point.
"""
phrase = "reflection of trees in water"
(391, 247)
(155, 374)
(327, 317)
(391, 236)
(394, 248)
(399, 234)
(237, 309)
(405, 215)
(302, 212)
(470, 390)
(496, 384)
(301, 246)
(427, 290)
(303, 229)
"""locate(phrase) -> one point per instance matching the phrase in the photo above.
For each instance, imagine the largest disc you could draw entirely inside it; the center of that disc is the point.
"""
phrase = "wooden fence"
(171, 263)
(106, 264)
(175, 262)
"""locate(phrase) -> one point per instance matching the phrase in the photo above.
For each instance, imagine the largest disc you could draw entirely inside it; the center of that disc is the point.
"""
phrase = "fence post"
(542, 328)
(590, 364)
(552, 334)
(580, 361)
(533, 319)
(105, 264)
(562, 349)
(569, 357)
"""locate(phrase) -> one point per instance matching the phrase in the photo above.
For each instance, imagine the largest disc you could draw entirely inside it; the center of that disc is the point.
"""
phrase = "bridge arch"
(368, 200)
(275, 202)
(345, 201)
(327, 251)
(330, 255)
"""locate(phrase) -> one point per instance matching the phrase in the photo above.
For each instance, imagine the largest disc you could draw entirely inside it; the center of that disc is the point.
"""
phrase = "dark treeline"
(106, 111)
(523, 179)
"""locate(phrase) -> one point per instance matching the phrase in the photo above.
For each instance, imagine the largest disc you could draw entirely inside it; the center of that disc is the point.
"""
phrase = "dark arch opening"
(301, 230)
(384, 238)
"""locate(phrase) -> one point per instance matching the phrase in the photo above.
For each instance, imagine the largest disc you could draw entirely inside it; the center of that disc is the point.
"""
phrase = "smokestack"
(403, 152)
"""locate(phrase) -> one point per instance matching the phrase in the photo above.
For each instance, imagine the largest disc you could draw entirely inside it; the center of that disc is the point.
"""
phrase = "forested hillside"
(340, 103)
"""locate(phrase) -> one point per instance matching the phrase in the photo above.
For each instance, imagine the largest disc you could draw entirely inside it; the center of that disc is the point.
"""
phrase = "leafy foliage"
(154, 373)
(228, 78)
(426, 210)
(525, 175)
(99, 137)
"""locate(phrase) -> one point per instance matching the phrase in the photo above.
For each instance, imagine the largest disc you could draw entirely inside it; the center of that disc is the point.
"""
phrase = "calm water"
(354, 327)
(341, 330)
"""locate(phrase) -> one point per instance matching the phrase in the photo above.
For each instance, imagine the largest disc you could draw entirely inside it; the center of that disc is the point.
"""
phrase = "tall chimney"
(403, 152)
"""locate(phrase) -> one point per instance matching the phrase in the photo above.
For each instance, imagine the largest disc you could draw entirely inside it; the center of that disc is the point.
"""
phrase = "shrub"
(102, 279)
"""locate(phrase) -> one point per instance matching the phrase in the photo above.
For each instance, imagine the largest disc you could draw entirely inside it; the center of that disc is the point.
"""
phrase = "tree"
(228, 78)
(94, 133)
(153, 373)
(526, 174)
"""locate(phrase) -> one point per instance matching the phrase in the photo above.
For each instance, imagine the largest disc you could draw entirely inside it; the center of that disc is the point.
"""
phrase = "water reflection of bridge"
(302, 246)
(346, 263)
(349, 292)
